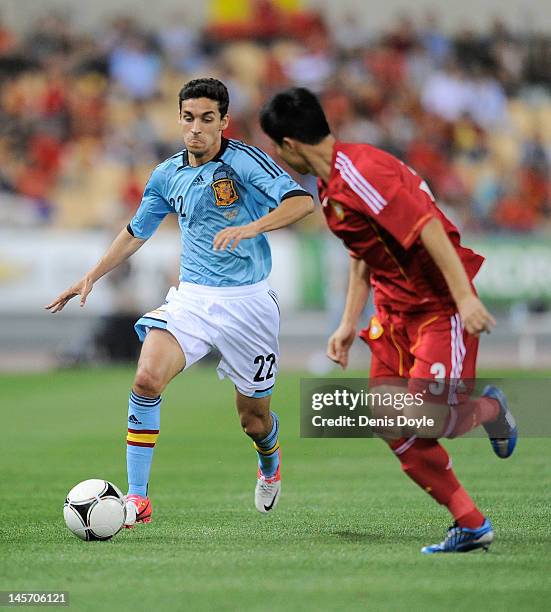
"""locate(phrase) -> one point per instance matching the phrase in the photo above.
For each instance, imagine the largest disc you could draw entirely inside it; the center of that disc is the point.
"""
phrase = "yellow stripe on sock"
(150, 438)
(266, 452)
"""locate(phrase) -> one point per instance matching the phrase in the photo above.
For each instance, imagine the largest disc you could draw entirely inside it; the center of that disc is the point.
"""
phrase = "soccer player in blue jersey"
(222, 191)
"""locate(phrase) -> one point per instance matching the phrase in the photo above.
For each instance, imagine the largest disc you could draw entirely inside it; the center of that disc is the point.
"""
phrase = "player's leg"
(175, 336)
(262, 426)
(445, 353)
(425, 461)
(428, 464)
(248, 343)
(160, 360)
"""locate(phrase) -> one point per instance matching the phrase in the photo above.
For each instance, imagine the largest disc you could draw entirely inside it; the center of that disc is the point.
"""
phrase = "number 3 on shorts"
(438, 370)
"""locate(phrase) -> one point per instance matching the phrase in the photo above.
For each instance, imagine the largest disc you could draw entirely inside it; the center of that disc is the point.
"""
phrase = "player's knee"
(253, 426)
(147, 383)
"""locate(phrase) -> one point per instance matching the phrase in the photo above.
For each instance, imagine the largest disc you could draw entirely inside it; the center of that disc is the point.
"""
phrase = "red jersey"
(377, 206)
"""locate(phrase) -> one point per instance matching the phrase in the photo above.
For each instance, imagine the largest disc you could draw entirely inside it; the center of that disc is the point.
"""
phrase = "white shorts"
(242, 323)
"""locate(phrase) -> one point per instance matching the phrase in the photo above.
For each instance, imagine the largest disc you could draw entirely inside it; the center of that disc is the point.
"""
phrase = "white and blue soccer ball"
(94, 510)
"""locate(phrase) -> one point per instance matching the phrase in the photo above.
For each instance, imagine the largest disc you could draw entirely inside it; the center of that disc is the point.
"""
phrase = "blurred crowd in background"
(85, 116)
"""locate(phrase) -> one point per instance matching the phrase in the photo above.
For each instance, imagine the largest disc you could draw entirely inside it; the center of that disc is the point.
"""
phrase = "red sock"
(464, 511)
(428, 464)
(465, 417)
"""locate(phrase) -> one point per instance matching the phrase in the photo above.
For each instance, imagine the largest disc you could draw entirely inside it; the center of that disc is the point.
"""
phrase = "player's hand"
(81, 288)
(233, 236)
(474, 315)
(339, 344)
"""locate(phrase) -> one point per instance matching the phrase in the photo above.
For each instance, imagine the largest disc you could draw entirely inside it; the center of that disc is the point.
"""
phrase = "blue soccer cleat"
(462, 539)
(503, 432)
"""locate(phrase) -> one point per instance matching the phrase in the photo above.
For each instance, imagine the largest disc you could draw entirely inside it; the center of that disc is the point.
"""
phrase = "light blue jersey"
(240, 185)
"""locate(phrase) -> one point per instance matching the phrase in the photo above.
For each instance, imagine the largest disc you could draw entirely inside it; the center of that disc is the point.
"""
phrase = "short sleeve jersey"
(378, 206)
(238, 186)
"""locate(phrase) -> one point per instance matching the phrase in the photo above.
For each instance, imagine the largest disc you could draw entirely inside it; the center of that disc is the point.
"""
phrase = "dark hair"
(294, 113)
(213, 89)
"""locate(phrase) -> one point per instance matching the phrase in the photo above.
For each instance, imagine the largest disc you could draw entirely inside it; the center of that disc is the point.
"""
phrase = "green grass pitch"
(346, 535)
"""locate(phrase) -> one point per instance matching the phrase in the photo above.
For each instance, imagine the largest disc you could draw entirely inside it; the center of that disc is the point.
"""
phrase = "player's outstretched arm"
(288, 212)
(342, 338)
(472, 311)
(121, 249)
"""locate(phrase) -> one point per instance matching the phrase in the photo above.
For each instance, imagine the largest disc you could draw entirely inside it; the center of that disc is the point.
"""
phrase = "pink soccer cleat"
(138, 510)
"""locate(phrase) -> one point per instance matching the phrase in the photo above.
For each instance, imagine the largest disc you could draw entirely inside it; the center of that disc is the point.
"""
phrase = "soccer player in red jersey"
(428, 316)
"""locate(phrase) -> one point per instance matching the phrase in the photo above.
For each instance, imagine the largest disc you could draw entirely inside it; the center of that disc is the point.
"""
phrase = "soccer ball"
(94, 510)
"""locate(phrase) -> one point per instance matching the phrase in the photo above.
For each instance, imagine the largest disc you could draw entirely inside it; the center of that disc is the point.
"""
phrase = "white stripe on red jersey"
(359, 184)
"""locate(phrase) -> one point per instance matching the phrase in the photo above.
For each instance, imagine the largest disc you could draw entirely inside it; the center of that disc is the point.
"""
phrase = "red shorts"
(421, 346)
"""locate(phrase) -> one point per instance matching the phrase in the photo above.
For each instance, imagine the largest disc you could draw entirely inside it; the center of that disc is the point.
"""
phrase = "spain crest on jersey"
(376, 330)
(225, 192)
